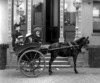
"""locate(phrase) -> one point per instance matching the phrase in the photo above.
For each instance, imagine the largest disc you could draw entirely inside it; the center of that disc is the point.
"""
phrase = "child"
(28, 38)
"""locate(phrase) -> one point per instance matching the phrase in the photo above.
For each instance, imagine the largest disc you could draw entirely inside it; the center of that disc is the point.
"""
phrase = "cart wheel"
(31, 63)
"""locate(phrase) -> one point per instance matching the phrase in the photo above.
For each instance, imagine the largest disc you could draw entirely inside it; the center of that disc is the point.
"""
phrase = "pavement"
(60, 75)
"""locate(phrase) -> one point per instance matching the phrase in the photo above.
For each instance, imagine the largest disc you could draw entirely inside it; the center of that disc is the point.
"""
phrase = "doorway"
(52, 21)
(46, 14)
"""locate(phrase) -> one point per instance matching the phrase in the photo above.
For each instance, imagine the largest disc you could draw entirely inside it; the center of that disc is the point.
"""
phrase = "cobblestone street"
(86, 75)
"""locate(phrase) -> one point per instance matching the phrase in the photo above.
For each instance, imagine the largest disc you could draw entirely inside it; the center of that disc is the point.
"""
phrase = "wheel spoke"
(27, 57)
(23, 60)
(31, 55)
(33, 72)
(38, 58)
(35, 55)
(32, 63)
(38, 71)
(35, 63)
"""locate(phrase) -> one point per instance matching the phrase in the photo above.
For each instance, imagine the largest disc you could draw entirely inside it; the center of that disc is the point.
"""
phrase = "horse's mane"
(59, 44)
(80, 40)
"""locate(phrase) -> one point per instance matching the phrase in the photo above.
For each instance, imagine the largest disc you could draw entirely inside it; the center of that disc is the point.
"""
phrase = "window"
(19, 12)
(37, 12)
(96, 16)
(69, 13)
(19, 15)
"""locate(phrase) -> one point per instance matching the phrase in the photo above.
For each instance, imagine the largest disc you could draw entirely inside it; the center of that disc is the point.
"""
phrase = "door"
(52, 21)
(38, 16)
(69, 20)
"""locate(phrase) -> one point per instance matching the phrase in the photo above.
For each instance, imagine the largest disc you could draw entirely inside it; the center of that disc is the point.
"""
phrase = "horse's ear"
(88, 37)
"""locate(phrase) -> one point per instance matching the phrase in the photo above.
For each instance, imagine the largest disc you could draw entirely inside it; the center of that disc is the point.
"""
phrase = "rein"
(63, 47)
(73, 45)
(79, 45)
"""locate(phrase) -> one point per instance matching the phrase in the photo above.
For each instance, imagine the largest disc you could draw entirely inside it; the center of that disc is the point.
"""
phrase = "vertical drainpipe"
(61, 39)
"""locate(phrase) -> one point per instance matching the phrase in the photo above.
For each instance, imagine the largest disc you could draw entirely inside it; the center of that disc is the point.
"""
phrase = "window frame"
(96, 18)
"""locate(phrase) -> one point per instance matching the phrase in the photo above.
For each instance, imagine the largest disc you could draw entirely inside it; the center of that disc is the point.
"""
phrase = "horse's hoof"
(17, 68)
(50, 73)
(76, 72)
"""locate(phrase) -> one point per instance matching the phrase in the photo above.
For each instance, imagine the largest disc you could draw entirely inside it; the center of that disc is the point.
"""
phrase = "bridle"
(84, 44)
(76, 46)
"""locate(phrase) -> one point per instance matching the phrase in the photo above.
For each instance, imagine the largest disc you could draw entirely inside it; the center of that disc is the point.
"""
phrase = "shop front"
(56, 18)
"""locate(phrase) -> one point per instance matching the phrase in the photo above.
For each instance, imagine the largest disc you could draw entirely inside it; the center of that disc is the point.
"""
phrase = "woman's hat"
(28, 34)
(21, 36)
(37, 29)
(16, 25)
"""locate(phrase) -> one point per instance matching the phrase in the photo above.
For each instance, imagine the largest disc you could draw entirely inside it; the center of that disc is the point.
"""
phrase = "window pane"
(69, 13)
(19, 16)
(96, 16)
(38, 12)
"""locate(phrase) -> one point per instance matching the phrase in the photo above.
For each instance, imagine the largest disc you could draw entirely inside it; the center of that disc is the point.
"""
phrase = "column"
(78, 32)
(10, 20)
(61, 39)
(29, 16)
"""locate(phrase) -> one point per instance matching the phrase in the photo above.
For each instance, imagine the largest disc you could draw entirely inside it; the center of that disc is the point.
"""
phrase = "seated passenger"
(37, 37)
(15, 35)
(28, 38)
(19, 40)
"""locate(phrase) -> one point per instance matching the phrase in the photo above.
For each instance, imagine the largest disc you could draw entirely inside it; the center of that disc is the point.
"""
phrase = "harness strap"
(77, 46)
(70, 44)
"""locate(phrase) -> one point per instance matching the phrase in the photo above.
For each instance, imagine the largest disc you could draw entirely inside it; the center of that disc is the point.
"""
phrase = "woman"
(15, 35)
(37, 35)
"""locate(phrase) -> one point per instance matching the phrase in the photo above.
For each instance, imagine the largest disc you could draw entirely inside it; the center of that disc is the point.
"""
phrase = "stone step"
(56, 63)
(59, 66)
(58, 58)
(53, 66)
(59, 61)
(14, 59)
(12, 55)
(47, 62)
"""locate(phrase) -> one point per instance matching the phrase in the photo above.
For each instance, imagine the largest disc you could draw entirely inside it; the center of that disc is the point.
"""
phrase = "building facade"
(56, 18)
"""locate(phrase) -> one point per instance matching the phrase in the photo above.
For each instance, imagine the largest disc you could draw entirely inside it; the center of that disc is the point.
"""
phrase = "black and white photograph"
(49, 41)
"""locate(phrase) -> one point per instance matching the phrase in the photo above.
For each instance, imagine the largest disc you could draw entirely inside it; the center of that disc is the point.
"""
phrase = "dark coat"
(15, 35)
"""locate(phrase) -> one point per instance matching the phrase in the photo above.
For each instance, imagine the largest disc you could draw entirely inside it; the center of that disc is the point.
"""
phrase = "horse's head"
(83, 42)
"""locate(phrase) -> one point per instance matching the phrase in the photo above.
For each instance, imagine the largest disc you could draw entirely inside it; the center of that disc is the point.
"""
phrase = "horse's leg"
(53, 57)
(75, 59)
(50, 63)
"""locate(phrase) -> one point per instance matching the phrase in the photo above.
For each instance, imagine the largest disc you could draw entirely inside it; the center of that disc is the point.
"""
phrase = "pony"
(68, 49)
